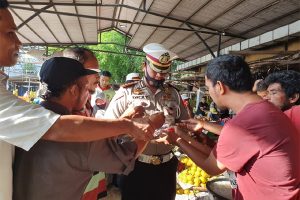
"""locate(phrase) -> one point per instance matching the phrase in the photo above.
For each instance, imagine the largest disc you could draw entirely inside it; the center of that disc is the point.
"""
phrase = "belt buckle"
(155, 160)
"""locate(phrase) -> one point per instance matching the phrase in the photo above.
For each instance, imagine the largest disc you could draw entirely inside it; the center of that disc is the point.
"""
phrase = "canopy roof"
(190, 28)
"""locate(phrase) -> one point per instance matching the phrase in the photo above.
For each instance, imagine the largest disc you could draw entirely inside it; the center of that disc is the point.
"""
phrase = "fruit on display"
(192, 177)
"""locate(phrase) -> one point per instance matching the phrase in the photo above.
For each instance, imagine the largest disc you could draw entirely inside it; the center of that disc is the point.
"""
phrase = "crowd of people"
(82, 129)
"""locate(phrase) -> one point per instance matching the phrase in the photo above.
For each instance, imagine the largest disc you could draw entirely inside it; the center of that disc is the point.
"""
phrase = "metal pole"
(219, 45)
(203, 41)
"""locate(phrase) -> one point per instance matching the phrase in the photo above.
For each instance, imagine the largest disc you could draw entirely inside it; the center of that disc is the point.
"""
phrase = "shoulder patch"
(172, 86)
(127, 85)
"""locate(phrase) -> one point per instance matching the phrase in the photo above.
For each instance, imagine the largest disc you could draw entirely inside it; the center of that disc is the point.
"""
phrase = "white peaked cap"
(159, 57)
(157, 50)
(133, 76)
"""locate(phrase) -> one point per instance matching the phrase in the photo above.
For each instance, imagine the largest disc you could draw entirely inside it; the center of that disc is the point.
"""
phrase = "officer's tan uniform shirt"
(139, 94)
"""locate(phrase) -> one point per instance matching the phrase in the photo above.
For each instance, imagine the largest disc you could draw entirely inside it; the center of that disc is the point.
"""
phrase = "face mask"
(153, 82)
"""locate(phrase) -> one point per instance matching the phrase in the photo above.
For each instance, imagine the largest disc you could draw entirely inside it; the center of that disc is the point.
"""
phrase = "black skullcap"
(60, 71)
(3, 4)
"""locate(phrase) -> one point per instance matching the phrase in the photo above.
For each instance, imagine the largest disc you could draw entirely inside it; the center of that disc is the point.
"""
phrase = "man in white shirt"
(102, 95)
(23, 124)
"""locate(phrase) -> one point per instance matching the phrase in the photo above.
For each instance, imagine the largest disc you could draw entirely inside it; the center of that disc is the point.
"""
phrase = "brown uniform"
(157, 158)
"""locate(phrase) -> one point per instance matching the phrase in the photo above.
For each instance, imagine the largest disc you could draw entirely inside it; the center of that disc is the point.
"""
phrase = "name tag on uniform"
(139, 97)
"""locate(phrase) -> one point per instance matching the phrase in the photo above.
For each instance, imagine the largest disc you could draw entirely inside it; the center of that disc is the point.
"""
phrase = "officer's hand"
(142, 129)
(163, 139)
(191, 124)
(133, 112)
(157, 120)
(170, 135)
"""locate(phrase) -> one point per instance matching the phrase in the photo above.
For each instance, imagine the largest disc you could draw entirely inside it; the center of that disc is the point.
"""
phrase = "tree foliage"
(118, 64)
(29, 68)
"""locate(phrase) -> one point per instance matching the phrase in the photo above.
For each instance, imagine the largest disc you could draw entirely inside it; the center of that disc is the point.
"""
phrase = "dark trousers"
(151, 182)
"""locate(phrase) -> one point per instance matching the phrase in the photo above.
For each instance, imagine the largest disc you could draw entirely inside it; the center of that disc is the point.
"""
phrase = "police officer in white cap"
(154, 175)
(131, 77)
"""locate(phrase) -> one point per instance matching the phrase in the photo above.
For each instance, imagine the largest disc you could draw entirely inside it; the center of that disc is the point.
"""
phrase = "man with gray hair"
(96, 188)
(89, 61)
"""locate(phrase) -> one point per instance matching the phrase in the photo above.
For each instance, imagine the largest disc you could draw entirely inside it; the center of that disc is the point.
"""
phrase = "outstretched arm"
(201, 154)
(197, 125)
(73, 128)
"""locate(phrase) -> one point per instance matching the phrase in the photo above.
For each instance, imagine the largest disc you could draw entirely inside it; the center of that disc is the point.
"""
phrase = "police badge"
(164, 58)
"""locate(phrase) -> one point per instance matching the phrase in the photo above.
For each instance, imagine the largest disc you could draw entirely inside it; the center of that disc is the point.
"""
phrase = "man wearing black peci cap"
(23, 124)
(58, 71)
(60, 170)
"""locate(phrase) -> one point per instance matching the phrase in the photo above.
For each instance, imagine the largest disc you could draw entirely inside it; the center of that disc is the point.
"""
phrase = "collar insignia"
(138, 91)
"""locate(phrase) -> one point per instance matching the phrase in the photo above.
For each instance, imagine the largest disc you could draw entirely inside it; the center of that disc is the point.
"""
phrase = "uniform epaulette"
(170, 85)
(127, 85)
